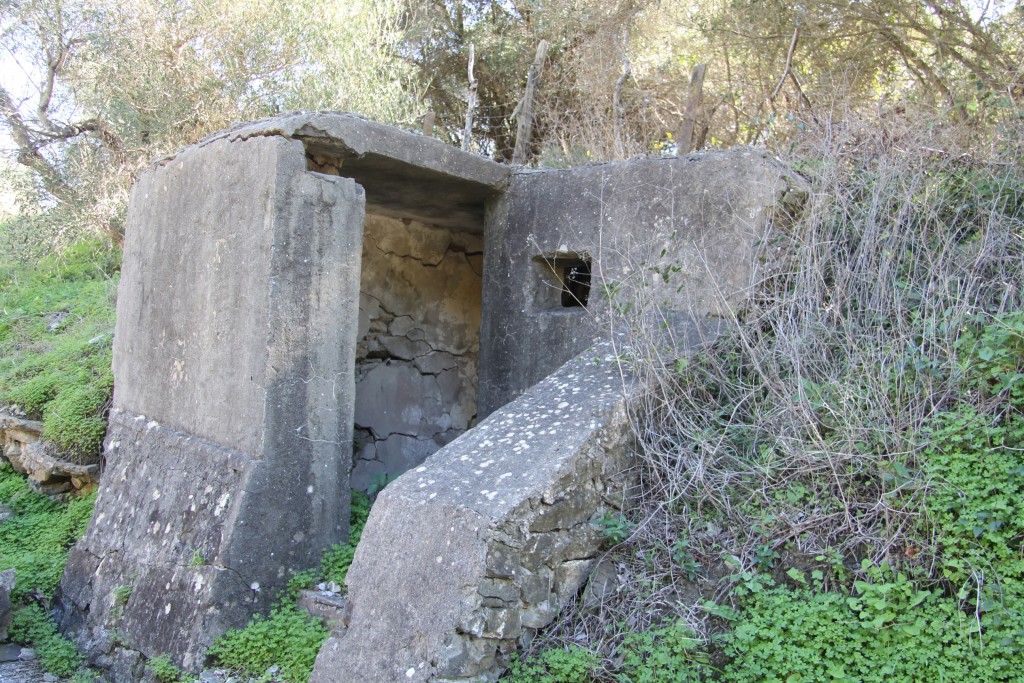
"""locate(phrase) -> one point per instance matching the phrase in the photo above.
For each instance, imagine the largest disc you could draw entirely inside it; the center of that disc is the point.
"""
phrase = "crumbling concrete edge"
(358, 136)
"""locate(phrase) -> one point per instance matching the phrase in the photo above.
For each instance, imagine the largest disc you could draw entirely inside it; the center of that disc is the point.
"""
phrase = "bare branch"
(789, 60)
(28, 151)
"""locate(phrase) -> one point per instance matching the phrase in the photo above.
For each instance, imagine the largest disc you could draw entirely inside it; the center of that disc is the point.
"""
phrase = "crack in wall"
(416, 359)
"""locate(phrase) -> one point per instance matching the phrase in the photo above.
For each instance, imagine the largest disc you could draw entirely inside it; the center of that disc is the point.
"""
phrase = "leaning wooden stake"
(467, 134)
(694, 103)
(524, 130)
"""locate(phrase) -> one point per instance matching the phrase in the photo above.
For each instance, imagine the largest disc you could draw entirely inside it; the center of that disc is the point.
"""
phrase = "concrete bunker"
(314, 300)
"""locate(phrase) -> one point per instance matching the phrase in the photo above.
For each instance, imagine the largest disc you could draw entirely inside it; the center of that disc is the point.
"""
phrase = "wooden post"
(467, 134)
(428, 123)
(524, 131)
(694, 103)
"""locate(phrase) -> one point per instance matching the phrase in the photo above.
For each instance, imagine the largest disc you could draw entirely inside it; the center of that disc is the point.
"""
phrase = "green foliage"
(889, 632)
(975, 454)
(668, 654)
(36, 539)
(196, 560)
(35, 543)
(337, 559)
(288, 638)
(616, 528)
(55, 342)
(31, 625)
(573, 664)
(164, 670)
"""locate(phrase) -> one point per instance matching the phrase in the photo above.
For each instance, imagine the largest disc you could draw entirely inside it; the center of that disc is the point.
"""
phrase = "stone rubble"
(49, 471)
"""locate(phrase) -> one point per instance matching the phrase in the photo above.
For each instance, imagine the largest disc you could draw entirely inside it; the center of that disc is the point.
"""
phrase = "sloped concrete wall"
(489, 538)
(419, 338)
(228, 449)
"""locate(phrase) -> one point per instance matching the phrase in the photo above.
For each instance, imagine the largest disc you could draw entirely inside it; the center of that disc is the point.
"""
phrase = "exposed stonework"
(49, 471)
(419, 325)
(486, 541)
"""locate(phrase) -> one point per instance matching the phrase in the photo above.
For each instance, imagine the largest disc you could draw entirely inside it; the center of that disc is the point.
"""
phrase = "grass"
(55, 343)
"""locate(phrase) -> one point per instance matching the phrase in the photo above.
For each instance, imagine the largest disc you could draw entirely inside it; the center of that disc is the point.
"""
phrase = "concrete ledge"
(489, 538)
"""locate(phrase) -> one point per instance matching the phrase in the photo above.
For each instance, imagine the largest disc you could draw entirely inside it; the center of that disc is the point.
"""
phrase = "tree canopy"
(110, 85)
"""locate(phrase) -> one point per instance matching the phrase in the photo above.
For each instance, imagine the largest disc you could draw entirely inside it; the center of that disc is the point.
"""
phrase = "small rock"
(50, 678)
(6, 614)
(333, 587)
(10, 652)
(27, 654)
(5, 513)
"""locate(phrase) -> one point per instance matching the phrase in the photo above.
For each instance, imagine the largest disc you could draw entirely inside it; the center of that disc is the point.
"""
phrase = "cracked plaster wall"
(416, 361)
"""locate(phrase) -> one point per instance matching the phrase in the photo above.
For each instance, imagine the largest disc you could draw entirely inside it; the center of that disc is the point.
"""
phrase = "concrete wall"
(228, 449)
(683, 234)
(419, 337)
(464, 557)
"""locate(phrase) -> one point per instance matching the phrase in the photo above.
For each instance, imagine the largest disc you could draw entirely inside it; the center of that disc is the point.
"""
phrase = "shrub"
(31, 625)
(288, 638)
(889, 633)
(668, 654)
(573, 664)
(164, 670)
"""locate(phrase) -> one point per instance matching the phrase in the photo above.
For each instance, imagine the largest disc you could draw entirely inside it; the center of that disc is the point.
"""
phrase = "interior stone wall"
(419, 339)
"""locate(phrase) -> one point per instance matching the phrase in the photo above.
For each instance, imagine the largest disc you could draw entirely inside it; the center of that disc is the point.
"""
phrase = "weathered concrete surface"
(229, 447)
(419, 326)
(686, 235)
(487, 539)
(405, 175)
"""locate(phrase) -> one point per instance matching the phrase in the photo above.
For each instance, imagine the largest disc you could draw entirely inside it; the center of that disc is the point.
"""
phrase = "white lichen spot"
(309, 489)
(410, 673)
(439, 559)
(156, 494)
(167, 608)
(222, 503)
(255, 586)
